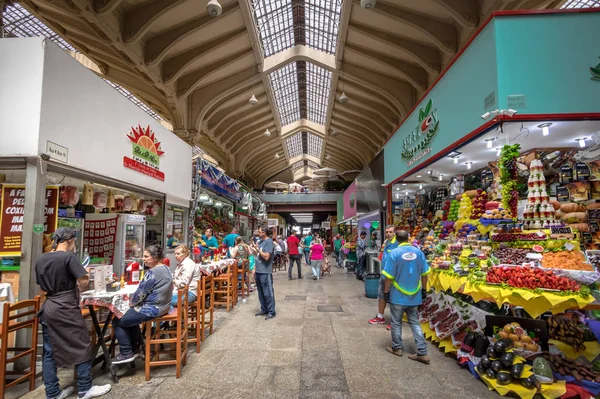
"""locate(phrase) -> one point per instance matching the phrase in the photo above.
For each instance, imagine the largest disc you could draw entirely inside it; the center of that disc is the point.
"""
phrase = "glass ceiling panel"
(275, 24)
(318, 83)
(18, 22)
(315, 145)
(294, 145)
(297, 165)
(313, 165)
(322, 21)
(581, 4)
(284, 83)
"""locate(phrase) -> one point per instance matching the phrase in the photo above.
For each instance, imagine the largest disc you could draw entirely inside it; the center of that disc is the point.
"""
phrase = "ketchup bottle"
(133, 273)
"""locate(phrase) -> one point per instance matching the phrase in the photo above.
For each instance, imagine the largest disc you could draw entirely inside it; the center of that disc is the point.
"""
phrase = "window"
(581, 4)
(294, 145)
(312, 165)
(318, 84)
(297, 165)
(284, 82)
(275, 25)
(314, 145)
(322, 20)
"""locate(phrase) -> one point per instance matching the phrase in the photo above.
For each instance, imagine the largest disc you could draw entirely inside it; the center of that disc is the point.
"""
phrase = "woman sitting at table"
(186, 274)
(151, 299)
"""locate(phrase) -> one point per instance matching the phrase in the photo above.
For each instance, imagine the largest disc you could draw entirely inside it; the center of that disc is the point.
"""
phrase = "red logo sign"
(146, 153)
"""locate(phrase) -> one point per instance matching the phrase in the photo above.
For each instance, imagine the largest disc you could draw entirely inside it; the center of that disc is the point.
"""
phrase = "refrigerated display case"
(130, 241)
(76, 223)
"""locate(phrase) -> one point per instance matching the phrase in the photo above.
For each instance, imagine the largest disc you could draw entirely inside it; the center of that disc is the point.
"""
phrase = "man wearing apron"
(66, 338)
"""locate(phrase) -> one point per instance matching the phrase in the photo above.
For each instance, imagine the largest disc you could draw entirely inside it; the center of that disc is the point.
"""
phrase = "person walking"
(293, 242)
(66, 341)
(361, 246)
(316, 257)
(264, 273)
(406, 273)
(306, 247)
(390, 244)
(337, 248)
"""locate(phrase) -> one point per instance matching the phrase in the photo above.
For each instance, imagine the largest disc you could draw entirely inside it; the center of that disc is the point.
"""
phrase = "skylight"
(275, 24)
(312, 164)
(284, 82)
(322, 21)
(315, 145)
(297, 165)
(318, 83)
(294, 145)
(18, 22)
(581, 4)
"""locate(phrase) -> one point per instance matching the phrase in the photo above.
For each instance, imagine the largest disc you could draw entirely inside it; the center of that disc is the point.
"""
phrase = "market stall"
(505, 206)
(86, 158)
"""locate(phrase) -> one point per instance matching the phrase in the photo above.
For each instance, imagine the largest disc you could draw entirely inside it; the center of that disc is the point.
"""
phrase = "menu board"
(99, 237)
(13, 211)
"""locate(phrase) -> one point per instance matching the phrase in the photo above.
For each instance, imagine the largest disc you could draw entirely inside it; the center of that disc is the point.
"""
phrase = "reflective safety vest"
(395, 283)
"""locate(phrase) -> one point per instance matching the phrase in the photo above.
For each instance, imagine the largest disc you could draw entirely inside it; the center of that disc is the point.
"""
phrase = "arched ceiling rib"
(296, 57)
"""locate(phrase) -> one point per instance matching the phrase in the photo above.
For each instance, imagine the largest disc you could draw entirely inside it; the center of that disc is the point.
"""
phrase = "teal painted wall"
(547, 58)
(459, 100)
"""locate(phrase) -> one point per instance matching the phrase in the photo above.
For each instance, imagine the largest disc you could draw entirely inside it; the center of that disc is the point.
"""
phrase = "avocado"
(529, 382)
(481, 345)
(503, 378)
(507, 359)
(485, 362)
(480, 368)
(496, 366)
(502, 345)
(469, 339)
(491, 373)
(517, 370)
(491, 353)
(542, 368)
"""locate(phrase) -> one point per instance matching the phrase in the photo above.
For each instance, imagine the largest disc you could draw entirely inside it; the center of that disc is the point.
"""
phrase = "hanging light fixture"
(218, 204)
(456, 159)
(334, 133)
(343, 98)
(581, 141)
(545, 128)
(277, 155)
(468, 164)
(253, 100)
(490, 142)
(441, 177)
(328, 157)
(420, 186)
(203, 198)
(267, 133)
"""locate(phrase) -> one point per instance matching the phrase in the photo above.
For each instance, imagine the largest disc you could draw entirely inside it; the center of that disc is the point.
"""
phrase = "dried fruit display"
(567, 367)
(569, 260)
(562, 328)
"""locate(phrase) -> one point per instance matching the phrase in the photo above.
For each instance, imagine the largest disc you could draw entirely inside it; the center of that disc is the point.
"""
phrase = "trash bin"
(372, 285)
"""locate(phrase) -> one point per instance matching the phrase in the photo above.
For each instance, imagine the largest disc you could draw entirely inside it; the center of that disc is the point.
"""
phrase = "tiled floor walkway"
(304, 352)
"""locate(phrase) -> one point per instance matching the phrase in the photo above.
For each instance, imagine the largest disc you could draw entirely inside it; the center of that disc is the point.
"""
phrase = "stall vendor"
(65, 334)
(174, 240)
(212, 244)
(229, 241)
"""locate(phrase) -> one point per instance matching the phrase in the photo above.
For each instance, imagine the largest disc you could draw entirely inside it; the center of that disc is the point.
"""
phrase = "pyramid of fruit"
(453, 210)
(538, 212)
(479, 204)
(465, 208)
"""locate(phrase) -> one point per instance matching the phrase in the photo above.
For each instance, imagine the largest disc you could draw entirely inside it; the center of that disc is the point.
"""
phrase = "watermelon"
(538, 248)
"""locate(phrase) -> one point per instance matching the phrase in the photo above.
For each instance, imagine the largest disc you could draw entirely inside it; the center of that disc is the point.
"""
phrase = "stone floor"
(318, 346)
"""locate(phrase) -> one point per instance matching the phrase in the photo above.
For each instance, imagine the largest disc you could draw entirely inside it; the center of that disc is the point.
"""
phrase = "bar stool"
(12, 313)
(225, 288)
(243, 272)
(177, 336)
(198, 310)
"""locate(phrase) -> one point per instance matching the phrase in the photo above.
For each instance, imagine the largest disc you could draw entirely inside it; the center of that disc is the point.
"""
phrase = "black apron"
(69, 335)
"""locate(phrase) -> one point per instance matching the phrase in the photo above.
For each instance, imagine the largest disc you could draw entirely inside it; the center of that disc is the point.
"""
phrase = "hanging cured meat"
(69, 195)
(100, 200)
(119, 203)
(88, 195)
(127, 202)
(110, 202)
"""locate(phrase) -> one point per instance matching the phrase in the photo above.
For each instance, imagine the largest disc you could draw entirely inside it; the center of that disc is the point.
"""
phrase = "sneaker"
(95, 391)
(260, 314)
(122, 359)
(269, 316)
(389, 327)
(377, 320)
(65, 393)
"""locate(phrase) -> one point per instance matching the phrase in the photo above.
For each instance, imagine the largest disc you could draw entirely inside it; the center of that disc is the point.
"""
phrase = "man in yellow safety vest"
(406, 278)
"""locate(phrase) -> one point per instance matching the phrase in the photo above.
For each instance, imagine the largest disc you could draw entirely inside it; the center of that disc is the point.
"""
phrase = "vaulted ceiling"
(297, 57)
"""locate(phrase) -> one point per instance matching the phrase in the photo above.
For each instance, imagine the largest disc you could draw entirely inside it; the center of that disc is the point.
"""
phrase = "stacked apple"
(446, 210)
(453, 212)
(465, 208)
(479, 204)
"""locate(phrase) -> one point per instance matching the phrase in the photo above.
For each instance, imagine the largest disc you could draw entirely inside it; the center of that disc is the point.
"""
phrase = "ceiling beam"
(442, 34)
(250, 119)
(465, 12)
(237, 112)
(138, 19)
(105, 6)
(235, 141)
(157, 47)
(357, 91)
(358, 133)
(365, 108)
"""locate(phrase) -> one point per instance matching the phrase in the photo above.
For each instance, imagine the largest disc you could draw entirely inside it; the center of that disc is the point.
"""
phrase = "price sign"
(99, 237)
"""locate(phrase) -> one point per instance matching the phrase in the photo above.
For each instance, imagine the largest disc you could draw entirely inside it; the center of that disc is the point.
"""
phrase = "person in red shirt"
(293, 242)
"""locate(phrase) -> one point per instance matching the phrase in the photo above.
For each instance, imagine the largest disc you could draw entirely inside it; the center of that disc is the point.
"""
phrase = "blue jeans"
(298, 260)
(191, 298)
(307, 257)
(338, 257)
(397, 311)
(266, 295)
(316, 268)
(51, 381)
(127, 330)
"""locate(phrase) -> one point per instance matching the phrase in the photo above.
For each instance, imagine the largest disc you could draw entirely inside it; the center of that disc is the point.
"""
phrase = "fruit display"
(430, 243)
(511, 256)
(465, 208)
(453, 210)
(510, 237)
(568, 260)
(517, 334)
(465, 230)
(566, 367)
(497, 214)
(531, 278)
(508, 177)
(543, 370)
(479, 204)
(502, 364)
(563, 328)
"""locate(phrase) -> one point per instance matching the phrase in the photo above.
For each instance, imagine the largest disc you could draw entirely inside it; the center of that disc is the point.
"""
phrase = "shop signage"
(516, 101)
(416, 145)
(146, 153)
(57, 152)
(218, 182)
(13, 211)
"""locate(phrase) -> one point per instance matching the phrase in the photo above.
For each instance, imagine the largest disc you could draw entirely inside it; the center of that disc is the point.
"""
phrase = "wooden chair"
(198, 311)
(175, 326)
(12, 321)
(225, 288)
(244, 272)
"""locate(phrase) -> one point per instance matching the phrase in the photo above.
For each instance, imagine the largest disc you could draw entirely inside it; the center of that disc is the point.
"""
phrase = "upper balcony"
(321, 197)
